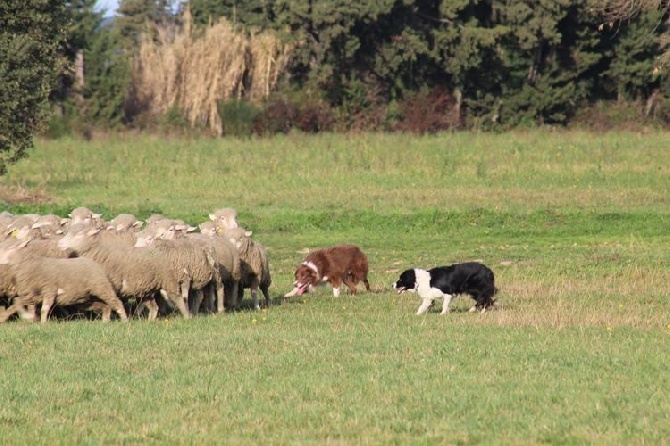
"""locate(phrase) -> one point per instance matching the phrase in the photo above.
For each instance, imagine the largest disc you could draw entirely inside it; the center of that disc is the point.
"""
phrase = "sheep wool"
(254, 264)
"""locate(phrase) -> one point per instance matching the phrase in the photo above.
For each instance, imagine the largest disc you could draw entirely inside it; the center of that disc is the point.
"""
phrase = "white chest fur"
(429, 294)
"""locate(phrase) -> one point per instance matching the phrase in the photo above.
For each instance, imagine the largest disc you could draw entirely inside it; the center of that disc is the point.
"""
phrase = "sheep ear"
(248, 233)
(212, 217)
(92, 231)
(137, 224)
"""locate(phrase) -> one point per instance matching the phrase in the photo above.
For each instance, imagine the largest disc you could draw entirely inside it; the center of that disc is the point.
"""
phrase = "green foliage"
(136, 17)
(31, 33)
(252, 13)
(505, 63)
(108, 91)
(237, 117)
(631, 71)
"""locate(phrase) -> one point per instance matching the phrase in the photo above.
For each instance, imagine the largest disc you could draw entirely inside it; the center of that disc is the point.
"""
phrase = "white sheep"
(83, 214)
(254, 264)
(229, 264)
(124, 222)
(134, 273)
(224, 218)
(193, 262)
(62, 282)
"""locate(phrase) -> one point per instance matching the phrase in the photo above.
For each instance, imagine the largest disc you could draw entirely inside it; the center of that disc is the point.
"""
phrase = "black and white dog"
(446, 282)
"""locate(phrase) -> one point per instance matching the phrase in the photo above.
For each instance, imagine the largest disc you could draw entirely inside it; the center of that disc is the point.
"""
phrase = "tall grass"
(194, 70)
(574, 226)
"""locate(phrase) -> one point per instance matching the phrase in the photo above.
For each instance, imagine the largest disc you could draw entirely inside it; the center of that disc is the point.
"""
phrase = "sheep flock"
(123, 268)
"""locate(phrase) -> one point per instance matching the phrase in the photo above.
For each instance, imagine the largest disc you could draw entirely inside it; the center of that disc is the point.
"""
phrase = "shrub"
(278, 116)
(428, 111)
(237, 117)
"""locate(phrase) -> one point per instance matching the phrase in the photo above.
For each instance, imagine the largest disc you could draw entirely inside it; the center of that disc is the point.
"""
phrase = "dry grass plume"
(194, 69)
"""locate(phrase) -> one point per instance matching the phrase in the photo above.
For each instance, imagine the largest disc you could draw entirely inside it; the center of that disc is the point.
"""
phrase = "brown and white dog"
(337, 265)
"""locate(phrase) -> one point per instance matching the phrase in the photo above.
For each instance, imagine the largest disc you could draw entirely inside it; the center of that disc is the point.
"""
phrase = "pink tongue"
(301, 290)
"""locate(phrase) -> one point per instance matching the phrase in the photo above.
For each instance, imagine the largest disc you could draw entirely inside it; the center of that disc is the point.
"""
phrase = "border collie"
(445, 282)
(337, 265)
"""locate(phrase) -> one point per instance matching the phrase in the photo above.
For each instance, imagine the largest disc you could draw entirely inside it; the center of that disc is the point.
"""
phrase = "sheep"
(62, 282)
(7, 283)
(254, 264)
(225, 218)
(6, 219)
(124, 222)
(228, 259)
(157, 221)
(21, 227)
(83, 214)
(193, 262)
(48, 228)
(134, 273)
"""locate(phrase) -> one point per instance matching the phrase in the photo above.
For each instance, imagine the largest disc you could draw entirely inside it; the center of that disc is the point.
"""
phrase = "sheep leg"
(7, 313)
(111, 302)
(220, 297)
(106, 313)
(266, 294)
(237, 295)
(214, 293)
(198, 296)
(24, 314)
(254, 295)
(181, 302)
(47, 303)
(152, 305)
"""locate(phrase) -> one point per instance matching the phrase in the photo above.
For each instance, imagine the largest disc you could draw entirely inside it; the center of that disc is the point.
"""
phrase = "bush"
(278, 116)
(613, 115)
(428, 111)
(237, 117)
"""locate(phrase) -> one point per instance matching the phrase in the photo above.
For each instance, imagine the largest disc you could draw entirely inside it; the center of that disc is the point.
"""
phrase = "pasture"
(574, 225)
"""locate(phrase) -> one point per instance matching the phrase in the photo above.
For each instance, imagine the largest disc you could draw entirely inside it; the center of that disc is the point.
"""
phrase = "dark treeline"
(392, 65)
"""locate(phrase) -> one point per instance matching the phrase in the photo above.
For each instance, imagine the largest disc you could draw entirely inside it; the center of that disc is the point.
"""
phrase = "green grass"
(575, 226)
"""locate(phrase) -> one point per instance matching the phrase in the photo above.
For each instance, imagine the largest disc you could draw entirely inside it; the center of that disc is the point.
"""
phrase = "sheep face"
(238, 236)
(76, 237)
(226, 218)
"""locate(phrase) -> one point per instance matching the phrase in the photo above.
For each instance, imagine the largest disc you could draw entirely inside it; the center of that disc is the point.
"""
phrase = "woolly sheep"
(229, 265)
(62, 282)
(124, 222)
(7, 283)
(49, 225)
(21, 227)
(134, 273)
(254, 264)
(159, 222)
(225, 218)
(83, 214)
(193, 262)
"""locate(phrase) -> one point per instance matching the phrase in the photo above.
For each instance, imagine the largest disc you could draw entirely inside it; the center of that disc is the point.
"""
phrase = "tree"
(31, 34)
(252, 13)
(623, 10)
(136, 17)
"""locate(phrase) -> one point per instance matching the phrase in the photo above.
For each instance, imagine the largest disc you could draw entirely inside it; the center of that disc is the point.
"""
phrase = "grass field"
(574, 225)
